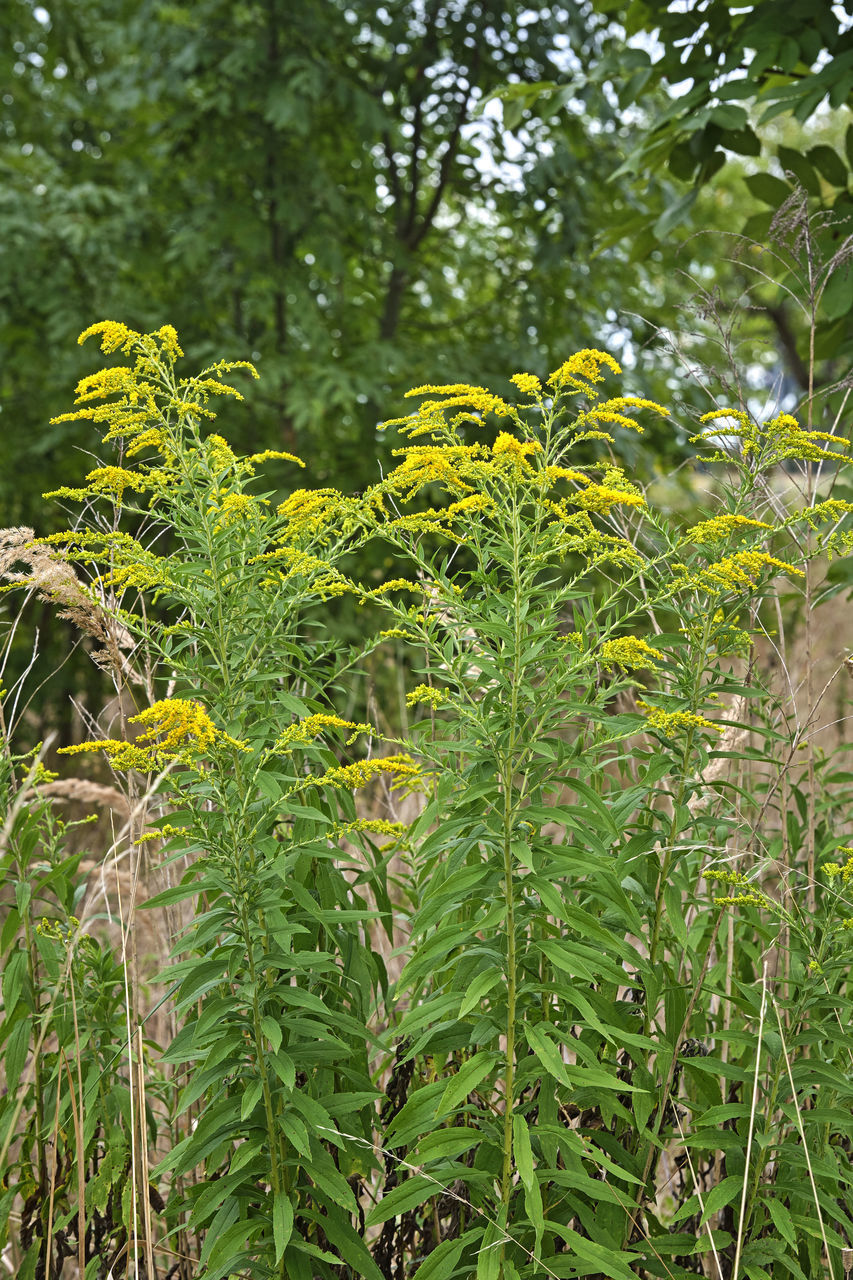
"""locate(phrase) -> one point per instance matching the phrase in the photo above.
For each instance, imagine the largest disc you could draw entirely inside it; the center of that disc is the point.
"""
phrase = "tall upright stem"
(507, 780)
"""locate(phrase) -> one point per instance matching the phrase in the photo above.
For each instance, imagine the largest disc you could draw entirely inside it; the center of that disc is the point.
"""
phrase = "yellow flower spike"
(305, 731)
(630, 652)
(460, 395)
(527, 383)
(350, 776)
(169, 341)
(586, 365)
(672, 722)
(720, 527)
(113, 334)
(177, 729)
(515, 450)
(269, 454)
(424, 693)
(613, 411)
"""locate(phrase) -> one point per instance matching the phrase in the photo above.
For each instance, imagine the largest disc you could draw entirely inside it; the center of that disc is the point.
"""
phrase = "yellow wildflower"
(721, 527)
(237, 506)
(426, 694)
(105, 480)
(269, 454)
(114, 335)
(459, 394)
(583, 367)
(671, 722)
(106, 382)
(169, 341)
(305, 731)
(515, 450)
(350, 776)
(845, 870)
(178, 728)
(628, 651)
(527, 383)
(740, 570)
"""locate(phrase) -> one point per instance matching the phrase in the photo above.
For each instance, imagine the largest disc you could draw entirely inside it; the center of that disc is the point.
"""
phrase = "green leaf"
(523, 1149)
(489, 1253)
(801, 169)
(547, 1053)
(250, 1098)
(408, 1195)
(764, 186)
(837, 297)
(480, 987)
(721, 1195)
(441, 1263)
(469, 1075)
(282, 1222)
(830, 165)
(272, 1031)
(782, 1220)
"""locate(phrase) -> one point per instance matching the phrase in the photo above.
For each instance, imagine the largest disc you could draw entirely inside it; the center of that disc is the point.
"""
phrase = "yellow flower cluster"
(613, 412)
(312, 513)
(400, 768)
(460, 395)
(628, 651)
(582, 368)
(601, 498)
(514, 450)
(450, 466)
(305, 731)
(105, 480)
(748, 895)
(380, 826)
(844, 870)
(672, 722)
(177, 729)
(162, 833)
(720, 527)
(424, 693)
(780, 439)
(234, 507)
(114, 336)
(322, 577)
(393, 584)
(106, 382)
(269, 454)
(527, 383)
(743, 569)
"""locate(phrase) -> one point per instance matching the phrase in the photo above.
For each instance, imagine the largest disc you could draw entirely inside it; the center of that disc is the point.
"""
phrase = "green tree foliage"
(315, 186)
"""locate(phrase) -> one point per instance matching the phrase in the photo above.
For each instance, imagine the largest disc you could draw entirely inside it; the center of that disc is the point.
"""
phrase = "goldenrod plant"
(613, 1041)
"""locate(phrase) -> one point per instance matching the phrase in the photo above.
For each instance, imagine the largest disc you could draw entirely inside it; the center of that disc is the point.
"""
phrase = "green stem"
(276, 1177)
(507, 779)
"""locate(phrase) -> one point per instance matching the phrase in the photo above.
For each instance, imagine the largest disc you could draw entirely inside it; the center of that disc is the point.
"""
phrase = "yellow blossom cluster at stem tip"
(177, 729)
(720, 527)
(305, 731)
(844, 870)
(583, 367)
(461, 395)
(780, 439)
(424, 693)
(748, 895)
(527, 383)
(515, 450)
(743, 569)
(400, 768)
(672, 722)
(628, 651)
